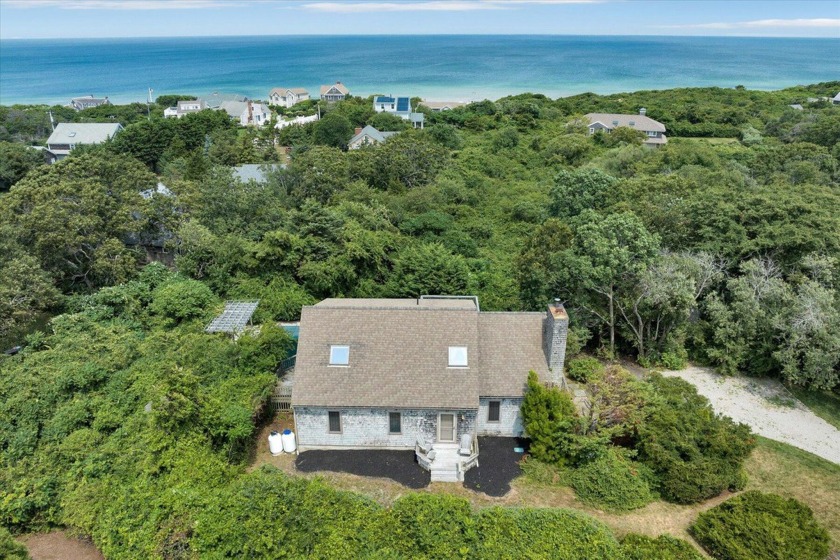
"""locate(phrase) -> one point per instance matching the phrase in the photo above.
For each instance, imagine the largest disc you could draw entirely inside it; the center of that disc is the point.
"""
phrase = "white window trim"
(334, 347)
(453, 365)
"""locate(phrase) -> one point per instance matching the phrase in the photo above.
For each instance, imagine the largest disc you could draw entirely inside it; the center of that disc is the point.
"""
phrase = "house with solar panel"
(607, 122)
(399, 106)
(429, 374)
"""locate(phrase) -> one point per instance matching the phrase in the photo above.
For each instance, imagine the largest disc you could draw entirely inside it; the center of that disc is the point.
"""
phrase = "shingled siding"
(368, 427)
(510, 418)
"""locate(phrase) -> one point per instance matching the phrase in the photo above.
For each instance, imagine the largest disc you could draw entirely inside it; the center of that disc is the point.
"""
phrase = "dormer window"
(339, 355)
(458, 357)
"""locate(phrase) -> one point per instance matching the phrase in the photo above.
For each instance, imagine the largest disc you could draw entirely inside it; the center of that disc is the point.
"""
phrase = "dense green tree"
(608, 256)
(576, 191)
(73, 217)
(16, 161)
(429, 268)
(333, 130)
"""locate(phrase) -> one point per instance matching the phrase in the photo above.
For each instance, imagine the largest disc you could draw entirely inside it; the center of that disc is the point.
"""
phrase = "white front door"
(447, 425)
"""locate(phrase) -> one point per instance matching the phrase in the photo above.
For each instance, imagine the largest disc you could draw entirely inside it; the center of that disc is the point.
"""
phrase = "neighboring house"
(608, 122)
(836, 100)
(301, 120)
(67, 136)
(81, 103)
(335, 92)
(399, 106)
(255, 171)
(438, 106)
(287, 97)
(429, 374)
(215, 99)
(796, 106)
(185, 107)
(247, 113)
(368, 136)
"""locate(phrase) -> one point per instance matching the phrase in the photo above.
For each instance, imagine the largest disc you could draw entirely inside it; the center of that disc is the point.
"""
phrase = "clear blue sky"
(145, 18)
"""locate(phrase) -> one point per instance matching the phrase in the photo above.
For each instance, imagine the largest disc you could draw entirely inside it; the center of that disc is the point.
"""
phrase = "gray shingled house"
(419, 374)
(607, 122)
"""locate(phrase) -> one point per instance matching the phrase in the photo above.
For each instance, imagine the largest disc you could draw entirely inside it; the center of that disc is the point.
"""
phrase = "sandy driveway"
(748, 400)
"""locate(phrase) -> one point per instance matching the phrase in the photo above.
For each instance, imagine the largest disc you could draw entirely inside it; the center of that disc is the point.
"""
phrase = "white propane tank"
(275, 443)
(289, 445)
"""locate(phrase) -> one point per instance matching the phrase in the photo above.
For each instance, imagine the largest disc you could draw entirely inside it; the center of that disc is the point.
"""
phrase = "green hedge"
(663, 547)
(613, 482)
(757, 526)
(541, 533)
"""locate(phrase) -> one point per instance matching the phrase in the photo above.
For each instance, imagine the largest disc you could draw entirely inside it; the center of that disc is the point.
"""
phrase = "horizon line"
(704, 36)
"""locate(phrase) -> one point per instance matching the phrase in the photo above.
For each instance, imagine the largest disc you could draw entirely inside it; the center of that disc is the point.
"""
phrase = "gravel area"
(498, 465)
(767, 407)
(396, 465)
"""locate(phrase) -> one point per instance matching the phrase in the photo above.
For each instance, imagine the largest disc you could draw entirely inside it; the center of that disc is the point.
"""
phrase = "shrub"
(663, 547)
(547, 414)
(429, 526)
(613, 482)
(543, 473)
(541, 533)
(757, 526)
(583, 369)
(10, 549)
(695, 453)
(181, 299)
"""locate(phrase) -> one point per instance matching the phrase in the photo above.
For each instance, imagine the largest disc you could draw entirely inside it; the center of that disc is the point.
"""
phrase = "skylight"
(339, 355)
(458, 356)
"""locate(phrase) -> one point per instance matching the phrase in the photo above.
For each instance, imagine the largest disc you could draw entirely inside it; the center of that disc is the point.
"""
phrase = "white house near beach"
(247, 113)
(287, 97)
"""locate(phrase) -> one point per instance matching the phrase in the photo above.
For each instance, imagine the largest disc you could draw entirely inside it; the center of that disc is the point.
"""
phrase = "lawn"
(788, 471)
(824, 404)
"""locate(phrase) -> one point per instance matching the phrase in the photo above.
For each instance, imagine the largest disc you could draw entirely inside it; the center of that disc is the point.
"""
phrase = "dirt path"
(767, 407)
(58, 545)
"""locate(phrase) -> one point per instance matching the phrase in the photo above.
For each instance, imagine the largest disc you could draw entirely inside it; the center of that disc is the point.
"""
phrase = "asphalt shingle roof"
(639, 122)
(399, 353)
(83, 133)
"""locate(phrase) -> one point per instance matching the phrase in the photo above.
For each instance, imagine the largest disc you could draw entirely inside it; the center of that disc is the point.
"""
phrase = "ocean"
(440, 67)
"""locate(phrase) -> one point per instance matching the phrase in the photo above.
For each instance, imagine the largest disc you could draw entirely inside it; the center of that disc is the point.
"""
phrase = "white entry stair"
(444, 466)
(445, 461)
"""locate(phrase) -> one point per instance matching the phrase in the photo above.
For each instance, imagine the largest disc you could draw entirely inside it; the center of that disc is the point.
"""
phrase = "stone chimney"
(642, 111)
(555, 330)
(358, 130)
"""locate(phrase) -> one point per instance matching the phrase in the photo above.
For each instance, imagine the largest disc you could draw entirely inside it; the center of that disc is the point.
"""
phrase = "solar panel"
(384, 99)
(402, 103)
(234, 318)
